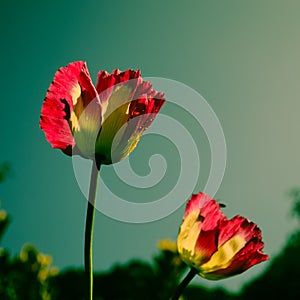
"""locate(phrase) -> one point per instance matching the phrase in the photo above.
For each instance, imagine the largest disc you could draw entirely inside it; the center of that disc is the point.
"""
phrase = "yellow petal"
(221, 259)
(87, 129)
(189, 232)
(115, 116)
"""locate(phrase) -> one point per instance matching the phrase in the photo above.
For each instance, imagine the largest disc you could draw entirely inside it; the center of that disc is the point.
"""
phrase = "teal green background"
(241, 56)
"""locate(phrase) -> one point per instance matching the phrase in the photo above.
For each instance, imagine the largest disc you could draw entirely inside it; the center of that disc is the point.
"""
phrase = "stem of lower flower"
(89, 229)
(184, 283)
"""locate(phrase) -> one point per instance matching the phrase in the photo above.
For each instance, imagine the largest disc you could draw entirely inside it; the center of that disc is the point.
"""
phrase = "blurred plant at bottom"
(131, 281)
(136, 280)
(25, 276)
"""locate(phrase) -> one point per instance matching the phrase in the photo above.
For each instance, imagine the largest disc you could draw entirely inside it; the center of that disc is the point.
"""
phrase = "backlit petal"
(70, 84)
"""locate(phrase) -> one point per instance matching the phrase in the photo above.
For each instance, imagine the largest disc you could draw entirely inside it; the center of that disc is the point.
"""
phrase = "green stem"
(89, 229)
(184, 283)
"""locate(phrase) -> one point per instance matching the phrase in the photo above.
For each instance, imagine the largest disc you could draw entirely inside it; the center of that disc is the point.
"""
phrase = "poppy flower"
(215, 246)
(104, 121)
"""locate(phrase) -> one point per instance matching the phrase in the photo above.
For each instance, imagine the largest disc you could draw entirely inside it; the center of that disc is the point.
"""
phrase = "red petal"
(107, 81)
(197, 201)
(206, 244)
(210, 212)
(238, 226)
(249, 256)
(151, 101)
(58, 104)
(210, 216)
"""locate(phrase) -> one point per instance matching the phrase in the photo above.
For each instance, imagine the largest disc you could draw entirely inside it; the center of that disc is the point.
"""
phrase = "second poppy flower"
(215, 246)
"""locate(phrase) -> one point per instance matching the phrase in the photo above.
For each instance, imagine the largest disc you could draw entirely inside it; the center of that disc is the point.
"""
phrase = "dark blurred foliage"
(136, 280)
(30, 275)
(295, 195)
(133, 281)
(25, 276)
(197, 292)
(4, 171)
(4, 219)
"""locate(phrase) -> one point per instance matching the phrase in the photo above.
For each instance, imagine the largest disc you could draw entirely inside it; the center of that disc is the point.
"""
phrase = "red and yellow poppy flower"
(104, 121)
(215, 246)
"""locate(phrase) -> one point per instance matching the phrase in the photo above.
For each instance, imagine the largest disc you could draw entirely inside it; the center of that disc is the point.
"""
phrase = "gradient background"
(241, 56)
